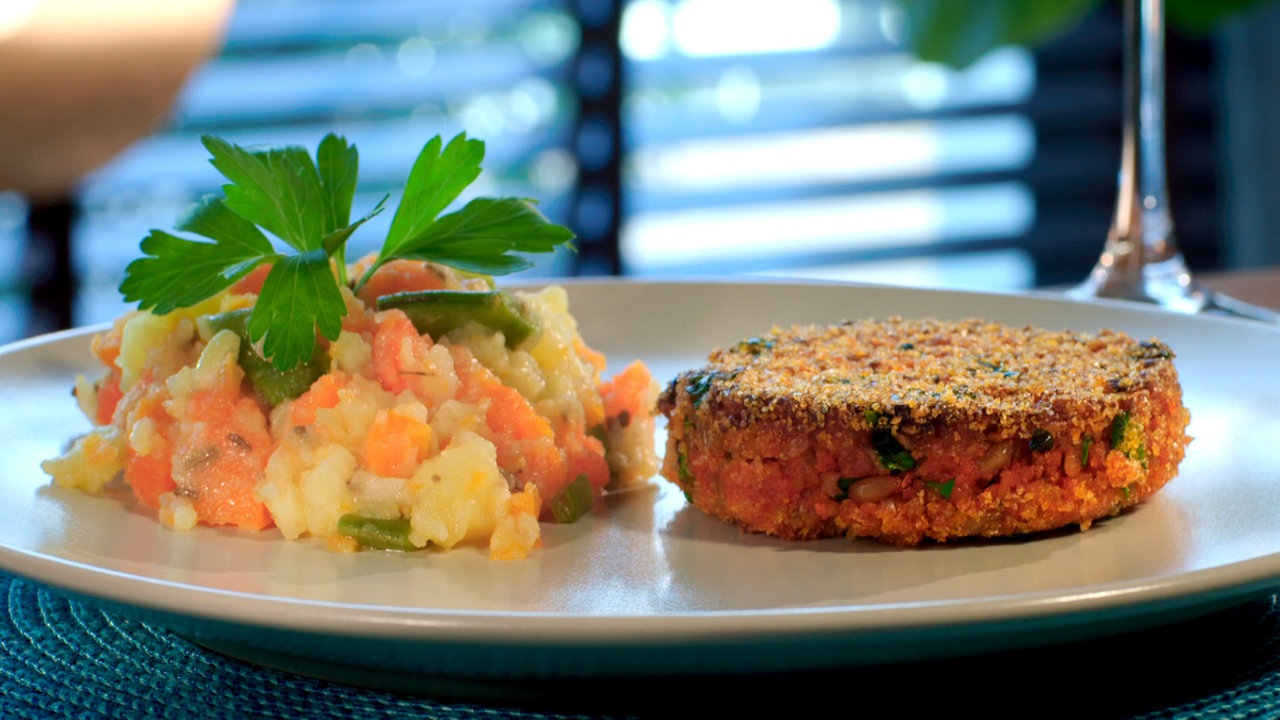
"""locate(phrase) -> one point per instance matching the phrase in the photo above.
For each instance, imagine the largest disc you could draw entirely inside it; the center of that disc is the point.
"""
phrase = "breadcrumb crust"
(1005, 430)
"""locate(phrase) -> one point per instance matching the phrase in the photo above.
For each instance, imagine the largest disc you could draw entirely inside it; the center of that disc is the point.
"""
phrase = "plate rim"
(1188, 590)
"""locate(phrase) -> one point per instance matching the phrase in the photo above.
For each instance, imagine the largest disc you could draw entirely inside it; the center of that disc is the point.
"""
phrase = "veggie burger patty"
(906, 430)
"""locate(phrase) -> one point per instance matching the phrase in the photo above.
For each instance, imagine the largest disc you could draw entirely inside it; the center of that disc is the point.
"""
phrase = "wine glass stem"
(1142, 218)
(1141, 259)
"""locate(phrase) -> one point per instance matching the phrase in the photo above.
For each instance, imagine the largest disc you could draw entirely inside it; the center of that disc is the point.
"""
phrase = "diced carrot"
(525, 502)
(221, 444)
(585, 456)
(109, 395)
(593, 357)
(360, 319)
(510, 414)
(396, 444)
(150, 475)
(517, 531)
(401, 276)
(98, 451)
(630, 391)
(398, 351)
(252, 283)
(524, 440)
(323, 393)
(220, 460)
(105, 346)
(405, 360)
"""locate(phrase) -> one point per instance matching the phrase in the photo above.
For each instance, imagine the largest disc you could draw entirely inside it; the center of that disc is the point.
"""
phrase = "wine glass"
(1141, 260)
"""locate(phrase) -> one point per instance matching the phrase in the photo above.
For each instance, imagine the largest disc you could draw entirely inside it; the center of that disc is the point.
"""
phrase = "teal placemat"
(63, 658)
(60, 658)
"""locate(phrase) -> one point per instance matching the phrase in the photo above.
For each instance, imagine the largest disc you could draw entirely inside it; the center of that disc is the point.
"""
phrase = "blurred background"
(678, 138)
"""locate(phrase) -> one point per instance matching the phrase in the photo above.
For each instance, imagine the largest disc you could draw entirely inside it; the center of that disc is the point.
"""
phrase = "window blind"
(677, 137)
(386, 74)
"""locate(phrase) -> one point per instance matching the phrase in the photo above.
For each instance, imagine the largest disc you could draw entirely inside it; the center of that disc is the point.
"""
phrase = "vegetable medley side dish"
(426, 409)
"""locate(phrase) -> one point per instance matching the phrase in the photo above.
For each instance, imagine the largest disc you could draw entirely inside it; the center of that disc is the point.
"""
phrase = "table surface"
(60, 657)
(1260, 286)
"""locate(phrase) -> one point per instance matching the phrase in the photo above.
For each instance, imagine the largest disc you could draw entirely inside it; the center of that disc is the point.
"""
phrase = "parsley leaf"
(436, 180)
(298, 296)
(893, 456)
(306, 204)
(943, 489)
(176, 272)
(277, 188)
(338, 164)
(482, 237)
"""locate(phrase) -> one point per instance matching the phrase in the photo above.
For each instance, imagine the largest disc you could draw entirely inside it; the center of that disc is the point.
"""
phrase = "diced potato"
(93, 461)
(459, 494)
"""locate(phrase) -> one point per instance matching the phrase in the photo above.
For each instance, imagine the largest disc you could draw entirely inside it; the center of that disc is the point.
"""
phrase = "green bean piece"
(274, 385)
(377, 533)
(439, 312)
(573, 502)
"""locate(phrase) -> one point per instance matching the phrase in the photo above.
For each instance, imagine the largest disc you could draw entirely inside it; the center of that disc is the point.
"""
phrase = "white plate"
(652, 586)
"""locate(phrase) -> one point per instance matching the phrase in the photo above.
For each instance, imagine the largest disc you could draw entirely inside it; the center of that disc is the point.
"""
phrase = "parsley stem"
(340, 264)
(364, 278)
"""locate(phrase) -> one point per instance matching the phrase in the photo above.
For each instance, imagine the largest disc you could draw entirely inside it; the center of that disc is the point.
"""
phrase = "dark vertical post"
(46, 265)
(598, 138)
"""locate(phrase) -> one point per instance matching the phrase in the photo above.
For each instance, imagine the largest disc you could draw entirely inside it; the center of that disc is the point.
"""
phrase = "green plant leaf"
(298, 297)
(1199, 16)
(483, 235)
(177, 272)
(338, 164)
(307, 205)
(436, 180)
(336, 240)
(277, 188)
(958, 32)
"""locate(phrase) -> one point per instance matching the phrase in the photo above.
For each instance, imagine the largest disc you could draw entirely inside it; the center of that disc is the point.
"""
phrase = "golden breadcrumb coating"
(911, 429)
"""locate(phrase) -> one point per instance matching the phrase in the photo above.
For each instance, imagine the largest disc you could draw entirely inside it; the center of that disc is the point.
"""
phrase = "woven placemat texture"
(63, 658)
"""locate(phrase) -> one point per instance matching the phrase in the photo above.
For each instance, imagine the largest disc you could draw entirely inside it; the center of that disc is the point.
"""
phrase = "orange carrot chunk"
(396, 444)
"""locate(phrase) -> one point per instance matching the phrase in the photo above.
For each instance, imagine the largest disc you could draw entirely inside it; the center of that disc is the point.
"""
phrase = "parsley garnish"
(699, 385)
(942, 488)
(1041, 441)
(893, 456)
(306, 204)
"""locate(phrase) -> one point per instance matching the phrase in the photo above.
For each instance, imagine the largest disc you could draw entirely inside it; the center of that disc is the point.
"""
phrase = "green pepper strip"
(573, 502)
(439, 312)
(274, 385)
(377, 533)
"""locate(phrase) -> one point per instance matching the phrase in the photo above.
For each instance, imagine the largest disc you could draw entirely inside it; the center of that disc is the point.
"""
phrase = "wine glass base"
(1166, 283)
(1170, 286)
